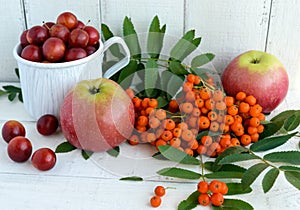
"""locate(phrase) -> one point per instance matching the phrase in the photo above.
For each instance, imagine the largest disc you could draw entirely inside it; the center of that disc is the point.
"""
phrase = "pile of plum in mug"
(65, 40)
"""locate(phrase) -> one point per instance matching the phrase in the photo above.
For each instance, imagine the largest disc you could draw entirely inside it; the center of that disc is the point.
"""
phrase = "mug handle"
(122, 63)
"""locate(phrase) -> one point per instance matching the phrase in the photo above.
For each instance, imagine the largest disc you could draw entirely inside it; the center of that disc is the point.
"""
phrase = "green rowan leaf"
(131, 178)
(271, 142)
(179, 173)
(252, 173)
(202, 59)
(236, 188)
(114, 152)
(292, 157)
(189, 203)
(131, 38)
(289, 168)
(269, 179)
(292, 122)
(177, 68)
(151, 78)
(127, 73)
(224, 175)
(178, 156)
(86, 154)
(11, 96)
(155, 38)
(237, 158)
(233, 204)
(64, 147)
(293, 177)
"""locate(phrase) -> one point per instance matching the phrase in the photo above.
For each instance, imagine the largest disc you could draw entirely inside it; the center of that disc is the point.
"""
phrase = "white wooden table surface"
(75, 183)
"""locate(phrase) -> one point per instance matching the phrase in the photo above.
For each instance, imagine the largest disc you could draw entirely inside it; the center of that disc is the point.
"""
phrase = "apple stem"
(94, 90)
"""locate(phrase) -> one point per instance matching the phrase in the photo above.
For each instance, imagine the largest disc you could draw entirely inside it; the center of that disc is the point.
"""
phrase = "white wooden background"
(227, 27)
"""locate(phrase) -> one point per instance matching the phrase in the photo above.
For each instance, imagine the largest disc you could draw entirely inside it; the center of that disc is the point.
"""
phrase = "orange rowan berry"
(133, 140)
(137, 102)
(173, 106)
(159, 132)
(142, 121)
(199, 102)
(254, 137)
(189, 151)
(155, 201)
(261, 116)
(187, 86)
(197, 80)
(214, 126)
(205, 93)
(154, 122)
(166, 135)
(254, 121)
(193, 121)
(160, 191)
(140, 129)
(244, 107)
(202, 187)
(149, 111)
(229, 120)
(182, 126)
(229, 101)
(204, 110)
(217, 199)
(224, 127)
(190, 96)
(251, 130)
(193, 144)
(215, 147)
(177, 132)
(236, 126)
(160, 142)
(204, 199)
(235, 142)
(201, 150)
(190, 78)
(260, 128)
(151, 137)
(187, 107)
(215, 186)
(206, 140)
(255, 110)
(209, 104)
(212, 115)
(153, 103)
(224, 188)
(220, 105)
(251, 100)
(169, 124)
(175, 142)
(218, 95)
(225, 142)
(145, 102)
(245, 139)
(240, 96)
(204, 122)
(233, 110)
(160, 114)
(187, 135)
(196, 112)
(238, 118)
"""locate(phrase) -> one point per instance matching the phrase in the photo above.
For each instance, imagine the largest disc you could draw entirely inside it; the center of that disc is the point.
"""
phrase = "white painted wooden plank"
(228, 27)
(39, 11)
(11, 25)
(283, 39)
(170, 12)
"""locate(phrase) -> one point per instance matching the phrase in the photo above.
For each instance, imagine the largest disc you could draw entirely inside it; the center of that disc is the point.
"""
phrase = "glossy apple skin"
(267, 80)
(11, 129)
(97, 115)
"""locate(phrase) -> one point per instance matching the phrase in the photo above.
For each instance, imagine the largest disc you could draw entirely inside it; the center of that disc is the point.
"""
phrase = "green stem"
(202, 168)
(263, 160)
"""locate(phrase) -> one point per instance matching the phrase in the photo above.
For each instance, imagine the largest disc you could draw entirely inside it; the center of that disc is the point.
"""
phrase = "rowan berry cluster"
(212, 192)
(159, 192)
(230, 120)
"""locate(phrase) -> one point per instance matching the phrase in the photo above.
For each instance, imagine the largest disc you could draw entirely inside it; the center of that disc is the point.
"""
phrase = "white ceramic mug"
(44, 85)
